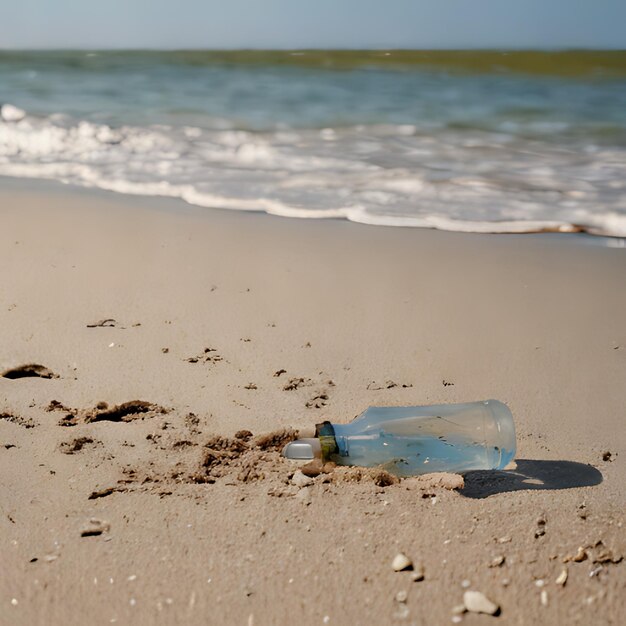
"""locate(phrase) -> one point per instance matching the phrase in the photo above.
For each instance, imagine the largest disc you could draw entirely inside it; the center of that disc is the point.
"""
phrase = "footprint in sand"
(209, 355)
(29, 370)
(76, 445)
(125, 412)
(17, 419)
(317, 401)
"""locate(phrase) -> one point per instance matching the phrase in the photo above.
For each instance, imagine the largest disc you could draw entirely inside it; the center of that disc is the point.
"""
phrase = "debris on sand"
(379, 476)
(94, 527)
(597, 552)
(418, 573)
(276, 440)
(603, 555)
(103, 493)
(579, 557)
(243, 457)
(55, 405)
(17, 419)
(562, 578)
(125, 412)
(477, 602)
(29, 370)
(301, 480)
(69, 419)
(401, 562)
(441, 480)
(402, 596)
(317, 467)
(318, 401)
(208, 355)
(295, 383)
(388, 384)
(104, 323)
(76, 445)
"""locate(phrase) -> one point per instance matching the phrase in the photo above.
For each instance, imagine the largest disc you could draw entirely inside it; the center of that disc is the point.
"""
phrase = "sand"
(213, 323)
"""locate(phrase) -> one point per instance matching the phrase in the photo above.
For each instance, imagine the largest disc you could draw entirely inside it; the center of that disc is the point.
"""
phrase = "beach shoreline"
(208, 307)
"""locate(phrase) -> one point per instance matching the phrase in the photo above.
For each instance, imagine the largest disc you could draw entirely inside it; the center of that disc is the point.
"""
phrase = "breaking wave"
(458, 179)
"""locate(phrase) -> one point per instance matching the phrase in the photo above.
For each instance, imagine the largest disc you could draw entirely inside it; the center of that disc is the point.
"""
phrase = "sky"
(312, 23)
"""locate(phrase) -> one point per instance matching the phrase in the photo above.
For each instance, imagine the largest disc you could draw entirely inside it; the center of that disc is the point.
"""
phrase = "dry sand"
(197, 526)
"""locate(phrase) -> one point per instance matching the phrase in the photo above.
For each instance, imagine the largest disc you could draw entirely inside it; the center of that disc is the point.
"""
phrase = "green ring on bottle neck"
(326, 434)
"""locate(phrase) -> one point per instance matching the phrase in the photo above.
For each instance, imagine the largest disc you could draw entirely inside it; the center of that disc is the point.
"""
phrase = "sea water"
(474, 141)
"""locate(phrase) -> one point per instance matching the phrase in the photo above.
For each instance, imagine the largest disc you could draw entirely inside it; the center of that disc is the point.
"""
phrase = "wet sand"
(168, 331)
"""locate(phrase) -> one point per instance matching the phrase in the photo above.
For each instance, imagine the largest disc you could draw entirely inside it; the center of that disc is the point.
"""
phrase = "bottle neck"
(325, 432)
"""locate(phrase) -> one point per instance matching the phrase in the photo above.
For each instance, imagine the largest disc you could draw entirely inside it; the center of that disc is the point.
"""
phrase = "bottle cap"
(303, 449)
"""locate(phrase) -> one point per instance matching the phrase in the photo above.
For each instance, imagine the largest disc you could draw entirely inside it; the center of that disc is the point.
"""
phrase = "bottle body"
(408, 441)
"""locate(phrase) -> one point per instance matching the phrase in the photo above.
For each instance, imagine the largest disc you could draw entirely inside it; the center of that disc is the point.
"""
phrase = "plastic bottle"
(417, 439)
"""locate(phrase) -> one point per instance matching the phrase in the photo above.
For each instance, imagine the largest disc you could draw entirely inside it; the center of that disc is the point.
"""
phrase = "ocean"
(466, 141)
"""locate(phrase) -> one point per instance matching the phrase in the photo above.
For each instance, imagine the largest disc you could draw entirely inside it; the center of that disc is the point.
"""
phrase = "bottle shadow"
(528, 475)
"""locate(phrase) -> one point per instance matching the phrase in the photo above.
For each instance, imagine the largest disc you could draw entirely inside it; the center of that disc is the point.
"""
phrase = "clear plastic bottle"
(417, 440)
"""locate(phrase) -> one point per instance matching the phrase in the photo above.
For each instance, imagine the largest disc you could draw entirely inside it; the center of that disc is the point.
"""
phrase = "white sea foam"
(385, 175)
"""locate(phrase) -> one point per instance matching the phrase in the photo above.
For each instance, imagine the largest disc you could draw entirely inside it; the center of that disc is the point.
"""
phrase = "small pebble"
(544, 598)
(401, 562)
(465, 583)
(539, 583)
(300, 480)
(562, 578)
(505, 539)
(477, 602)
(418, 573)
(312, 469)
(580, 556)
(401, 596)
(456, 619)
(497, 561)
(94, 528)
(14, 601)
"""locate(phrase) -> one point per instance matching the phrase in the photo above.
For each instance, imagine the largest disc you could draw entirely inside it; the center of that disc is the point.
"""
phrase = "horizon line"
(81, 48)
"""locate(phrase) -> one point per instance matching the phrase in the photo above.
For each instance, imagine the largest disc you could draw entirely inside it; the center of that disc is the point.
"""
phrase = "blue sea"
(475, 141)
